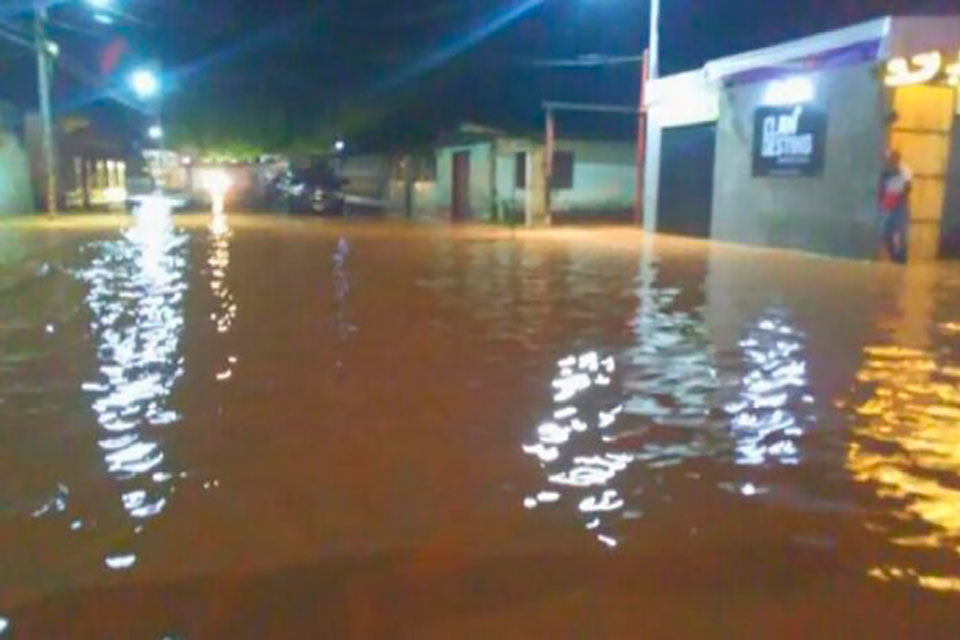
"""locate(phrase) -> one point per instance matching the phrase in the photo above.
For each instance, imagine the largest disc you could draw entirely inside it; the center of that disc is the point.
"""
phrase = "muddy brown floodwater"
(255, 426)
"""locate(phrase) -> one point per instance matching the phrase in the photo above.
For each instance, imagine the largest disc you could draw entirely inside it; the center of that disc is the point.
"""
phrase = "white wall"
(604, 178)
(512, 201)
(16, 191)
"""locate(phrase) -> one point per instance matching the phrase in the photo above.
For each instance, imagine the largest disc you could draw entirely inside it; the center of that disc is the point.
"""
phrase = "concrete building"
(483, 174)
(92, 166)
(784, 146)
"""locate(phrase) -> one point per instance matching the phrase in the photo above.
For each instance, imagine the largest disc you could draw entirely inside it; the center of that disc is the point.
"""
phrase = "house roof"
(692, 97)
(874, 40)
(568, 131)
(786, 53)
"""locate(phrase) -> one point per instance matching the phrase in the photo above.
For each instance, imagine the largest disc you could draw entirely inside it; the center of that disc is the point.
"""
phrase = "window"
(562, 170)
(520, 171)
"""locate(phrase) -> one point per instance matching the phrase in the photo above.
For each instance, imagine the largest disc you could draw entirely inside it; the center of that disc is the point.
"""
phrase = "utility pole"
(654, 44)
(46, 115)
(650, 70)
(550, 152)
(642, 140)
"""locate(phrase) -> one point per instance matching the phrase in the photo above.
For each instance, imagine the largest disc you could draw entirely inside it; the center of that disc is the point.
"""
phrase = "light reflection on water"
(773, 410)
(640, 407)
(907, 447)
(136, 294)
(623, 419)
(341, 287)
(218, 264)
(582, 412)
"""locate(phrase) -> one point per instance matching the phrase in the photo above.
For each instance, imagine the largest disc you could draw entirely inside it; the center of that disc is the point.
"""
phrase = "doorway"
(686, 180)
(461, 186)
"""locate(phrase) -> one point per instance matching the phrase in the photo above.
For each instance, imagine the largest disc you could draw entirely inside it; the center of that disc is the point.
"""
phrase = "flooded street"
(254, 426)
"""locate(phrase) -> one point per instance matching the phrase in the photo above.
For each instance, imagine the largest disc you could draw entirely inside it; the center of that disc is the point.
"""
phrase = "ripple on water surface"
(370, 390)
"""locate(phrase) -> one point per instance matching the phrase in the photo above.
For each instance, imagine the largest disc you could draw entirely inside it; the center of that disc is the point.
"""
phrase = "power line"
(586, 60)
(16, 36)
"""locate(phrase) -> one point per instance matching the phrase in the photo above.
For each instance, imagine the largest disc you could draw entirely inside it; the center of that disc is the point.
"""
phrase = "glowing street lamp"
(339, 146)
(144, 83)
(155, 132)
(101, 11)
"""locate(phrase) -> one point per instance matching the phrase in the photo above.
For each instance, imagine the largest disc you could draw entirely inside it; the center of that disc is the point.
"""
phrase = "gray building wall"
(834, 213)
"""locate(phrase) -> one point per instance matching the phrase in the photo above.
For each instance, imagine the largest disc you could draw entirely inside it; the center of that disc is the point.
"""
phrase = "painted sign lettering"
(922, 68)
(789, 141)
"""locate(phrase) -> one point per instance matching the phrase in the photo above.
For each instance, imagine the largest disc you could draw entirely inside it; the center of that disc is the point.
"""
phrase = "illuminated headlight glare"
(216, 181)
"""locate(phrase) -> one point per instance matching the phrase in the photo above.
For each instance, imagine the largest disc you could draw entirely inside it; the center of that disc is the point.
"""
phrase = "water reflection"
(673, 378)
(651, 405)
(341, 287)
(218, 263)
(585, 407)
(630, 425)
(907, 447)
(904, 410)
(136, 294)
(773, 409)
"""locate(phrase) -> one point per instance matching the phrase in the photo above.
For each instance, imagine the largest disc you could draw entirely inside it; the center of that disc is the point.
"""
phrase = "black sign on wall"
(789, 141)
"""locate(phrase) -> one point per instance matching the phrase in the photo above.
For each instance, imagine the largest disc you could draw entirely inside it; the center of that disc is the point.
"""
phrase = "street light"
(339, 146)
(100, 4)
(144, 83)
(155, 132)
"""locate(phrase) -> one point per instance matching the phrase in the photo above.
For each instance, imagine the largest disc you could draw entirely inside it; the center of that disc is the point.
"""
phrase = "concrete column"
(538, 213)
(651, 181)
(922, 133)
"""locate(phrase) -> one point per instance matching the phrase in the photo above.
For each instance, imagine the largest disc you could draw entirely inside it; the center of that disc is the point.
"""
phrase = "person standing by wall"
(895, 183)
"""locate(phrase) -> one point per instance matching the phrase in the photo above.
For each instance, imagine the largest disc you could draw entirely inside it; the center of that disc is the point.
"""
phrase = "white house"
(484, 174)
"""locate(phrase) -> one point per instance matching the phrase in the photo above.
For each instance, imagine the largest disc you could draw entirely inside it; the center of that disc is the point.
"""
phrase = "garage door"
(686, 180)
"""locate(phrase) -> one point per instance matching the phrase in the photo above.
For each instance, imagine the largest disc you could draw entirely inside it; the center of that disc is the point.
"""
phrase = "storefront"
(784, 146)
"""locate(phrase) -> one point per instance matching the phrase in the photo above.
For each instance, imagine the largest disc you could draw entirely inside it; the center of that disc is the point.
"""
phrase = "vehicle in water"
(314, 189)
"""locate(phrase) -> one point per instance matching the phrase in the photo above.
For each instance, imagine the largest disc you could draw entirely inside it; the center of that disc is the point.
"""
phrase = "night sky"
(382, 70)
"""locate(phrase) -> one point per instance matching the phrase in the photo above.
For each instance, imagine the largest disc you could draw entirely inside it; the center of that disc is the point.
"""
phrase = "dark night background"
(292, 74)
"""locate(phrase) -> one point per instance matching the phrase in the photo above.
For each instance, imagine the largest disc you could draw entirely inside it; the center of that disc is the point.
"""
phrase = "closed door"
(686, 181)
(461, 186)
